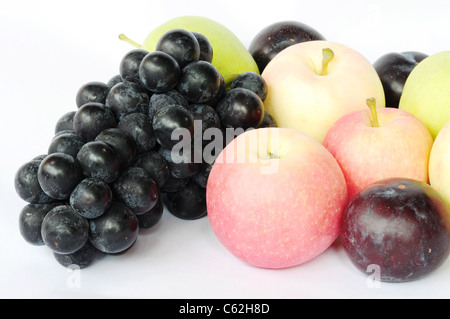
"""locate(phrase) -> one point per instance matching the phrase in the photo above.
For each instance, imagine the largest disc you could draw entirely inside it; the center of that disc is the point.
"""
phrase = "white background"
(50, 48)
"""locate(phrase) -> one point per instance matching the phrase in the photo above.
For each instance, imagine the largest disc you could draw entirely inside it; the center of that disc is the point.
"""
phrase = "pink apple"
(314, 83)
(379, 143)
(275, 197)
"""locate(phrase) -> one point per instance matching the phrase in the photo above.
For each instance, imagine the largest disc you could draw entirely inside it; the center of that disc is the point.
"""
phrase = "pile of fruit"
(284, 147)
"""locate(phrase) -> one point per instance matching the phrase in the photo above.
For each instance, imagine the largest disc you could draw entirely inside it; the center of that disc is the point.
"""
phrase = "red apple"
(380, 143)
(275, 197)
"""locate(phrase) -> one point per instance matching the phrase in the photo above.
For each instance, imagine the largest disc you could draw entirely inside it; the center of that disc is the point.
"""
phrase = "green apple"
(439, 165)
(230, 56)
(426, 92)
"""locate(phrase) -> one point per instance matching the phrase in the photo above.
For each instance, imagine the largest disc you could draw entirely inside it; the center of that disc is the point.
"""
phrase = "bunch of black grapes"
(133, 146)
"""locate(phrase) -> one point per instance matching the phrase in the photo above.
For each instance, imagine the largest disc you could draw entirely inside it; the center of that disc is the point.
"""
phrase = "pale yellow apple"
(306, 94)
(439, 166)
(426, 93)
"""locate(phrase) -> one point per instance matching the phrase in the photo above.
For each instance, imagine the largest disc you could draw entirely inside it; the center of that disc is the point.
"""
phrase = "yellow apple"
(426, 93)
(439, 166)
(312, 84)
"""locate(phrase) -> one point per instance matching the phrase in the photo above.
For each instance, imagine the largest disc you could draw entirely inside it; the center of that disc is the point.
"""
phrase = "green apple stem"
(371, 103)
(123, 37)
(327, 56)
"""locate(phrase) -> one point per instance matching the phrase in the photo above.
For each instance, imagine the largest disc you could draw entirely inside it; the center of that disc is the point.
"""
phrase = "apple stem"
(123, 37)
(327, 56)
(371, 103)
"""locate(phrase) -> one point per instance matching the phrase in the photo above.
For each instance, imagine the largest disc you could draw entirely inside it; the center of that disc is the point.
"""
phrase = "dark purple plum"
(136, 188)
(278, 36)
(58, 174)
(99, 160)
(393, 69)
(400, 225)
(240, 108)
(92, 92)
(91, 198)
(64, 231)
(92, 118)
(159, 72)
(181, 44)
(116, 230)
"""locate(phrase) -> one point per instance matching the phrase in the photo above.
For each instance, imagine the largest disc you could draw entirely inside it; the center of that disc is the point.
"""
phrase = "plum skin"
(401, 225)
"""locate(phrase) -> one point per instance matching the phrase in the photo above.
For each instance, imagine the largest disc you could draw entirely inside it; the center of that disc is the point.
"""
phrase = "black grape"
(123, 144)
(27, 185)
(58, 175)
(188, 203)
(91, 198)
(181, 44)
(91, 119)
(159, 72)
(30, 221)
(155, 164)
(64, 231)
(173, 118)
(116, 230)
(136, 189)
(126, 98)
(139, 127)
(92, 92)
(99, 160)
(199, 82)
